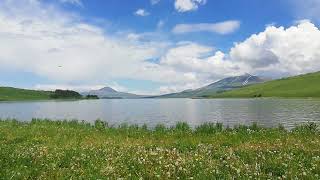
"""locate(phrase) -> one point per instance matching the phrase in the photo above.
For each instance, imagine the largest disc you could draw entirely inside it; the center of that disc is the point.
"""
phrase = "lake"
(230, 112)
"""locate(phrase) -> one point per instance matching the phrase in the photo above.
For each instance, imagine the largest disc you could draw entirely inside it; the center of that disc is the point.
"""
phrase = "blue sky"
(253, 15)
(153, 46)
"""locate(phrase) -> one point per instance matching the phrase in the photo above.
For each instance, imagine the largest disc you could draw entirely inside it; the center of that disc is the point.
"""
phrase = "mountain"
(218, 87)
(307, 85)
(109, 93)
(228, 84)
(108, 89)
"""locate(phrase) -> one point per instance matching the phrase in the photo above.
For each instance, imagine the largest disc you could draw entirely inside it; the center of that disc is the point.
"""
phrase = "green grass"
(44, 149)
(14, 94)
(307, 85)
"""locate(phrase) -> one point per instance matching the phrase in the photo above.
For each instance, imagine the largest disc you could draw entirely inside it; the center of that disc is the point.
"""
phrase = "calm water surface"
(231, 112)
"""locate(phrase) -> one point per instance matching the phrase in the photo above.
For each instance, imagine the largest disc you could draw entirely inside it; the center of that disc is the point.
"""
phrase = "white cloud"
(56, 46)
(154, 2)
(178, 88)
(79, 88)
(74, 2)
(290, 51)
(275, 52)
(200, 62)
(188, 5)
(225, 27)
(60, 47)
(142, 12)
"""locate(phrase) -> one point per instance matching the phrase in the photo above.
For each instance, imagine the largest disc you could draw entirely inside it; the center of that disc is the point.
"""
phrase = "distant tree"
(65, 94)
(257, 95)
(92, 97)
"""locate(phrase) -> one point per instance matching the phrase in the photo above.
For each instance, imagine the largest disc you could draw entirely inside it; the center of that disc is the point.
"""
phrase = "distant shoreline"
(196, 98)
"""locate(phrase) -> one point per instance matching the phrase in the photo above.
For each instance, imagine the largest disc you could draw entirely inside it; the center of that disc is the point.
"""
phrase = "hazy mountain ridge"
(108, 92)
(220, 86)
(248, 86)
(7, 93)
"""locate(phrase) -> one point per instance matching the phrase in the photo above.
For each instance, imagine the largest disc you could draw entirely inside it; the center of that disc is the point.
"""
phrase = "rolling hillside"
(11, 94)
(307, 85)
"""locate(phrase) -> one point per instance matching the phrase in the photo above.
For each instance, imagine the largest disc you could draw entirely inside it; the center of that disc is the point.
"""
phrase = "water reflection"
(231, 112)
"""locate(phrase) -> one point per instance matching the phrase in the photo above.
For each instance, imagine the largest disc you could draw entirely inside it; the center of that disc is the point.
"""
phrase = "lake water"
(231, 112)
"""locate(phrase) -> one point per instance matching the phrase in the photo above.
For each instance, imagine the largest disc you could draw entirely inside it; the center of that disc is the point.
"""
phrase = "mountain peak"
(226, 84)
(246, 75)
(108, 92)
(108, 89)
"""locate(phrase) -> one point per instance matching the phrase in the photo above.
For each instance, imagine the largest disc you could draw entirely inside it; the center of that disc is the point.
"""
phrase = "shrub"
(209, 128)
(183, 126)
(92, 97)
(310, 127)
(160, 128)
(100, 125)
(65, 94)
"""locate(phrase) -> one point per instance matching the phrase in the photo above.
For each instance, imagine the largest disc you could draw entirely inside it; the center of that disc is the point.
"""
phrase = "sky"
(154, 46)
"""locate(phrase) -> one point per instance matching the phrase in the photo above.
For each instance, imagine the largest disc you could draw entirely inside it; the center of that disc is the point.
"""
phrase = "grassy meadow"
(44, 149)
(14, 94)
(302, 86)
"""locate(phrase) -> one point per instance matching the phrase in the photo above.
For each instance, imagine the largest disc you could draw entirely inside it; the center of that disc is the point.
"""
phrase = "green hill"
(307, 85)
(12, 94)
(15, 94)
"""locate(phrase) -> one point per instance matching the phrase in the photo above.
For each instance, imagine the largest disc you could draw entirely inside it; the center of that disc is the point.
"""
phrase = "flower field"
(44, 149)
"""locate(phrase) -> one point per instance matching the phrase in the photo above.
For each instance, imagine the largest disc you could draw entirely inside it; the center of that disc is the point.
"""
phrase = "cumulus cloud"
(225, 27)
(200, 62)
(275, 52)
(142, 12)
(66, 50)
(290, 51)
(60, 47)
(79, 88)
(178, 88)
(188, 5)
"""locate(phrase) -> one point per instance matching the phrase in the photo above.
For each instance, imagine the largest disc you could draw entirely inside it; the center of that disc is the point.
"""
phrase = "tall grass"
(45, 149)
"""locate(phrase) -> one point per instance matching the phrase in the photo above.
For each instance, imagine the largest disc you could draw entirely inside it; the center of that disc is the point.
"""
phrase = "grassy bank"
(298, 87)
(64, 150)
(14, 94)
